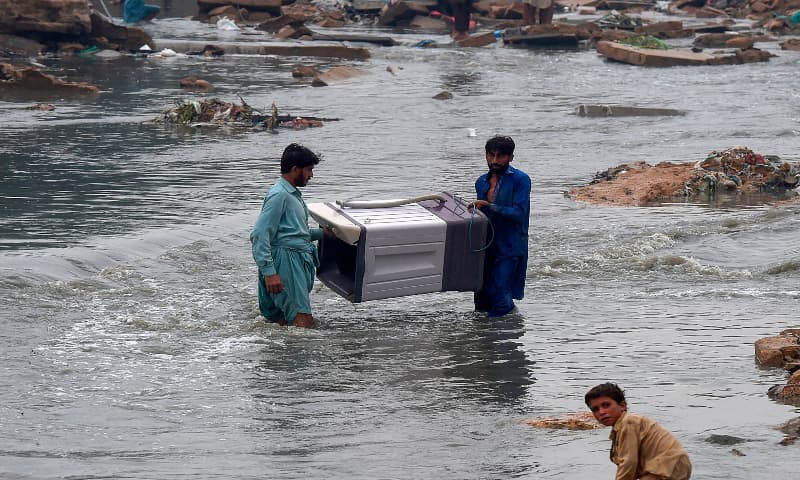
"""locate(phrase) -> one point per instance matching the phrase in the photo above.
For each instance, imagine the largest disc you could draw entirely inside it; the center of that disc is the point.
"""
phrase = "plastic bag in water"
(226, 23)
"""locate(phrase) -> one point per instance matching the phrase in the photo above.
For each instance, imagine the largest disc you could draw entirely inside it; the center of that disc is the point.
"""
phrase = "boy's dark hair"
(501, 145)
(296, 155)
(610, 390)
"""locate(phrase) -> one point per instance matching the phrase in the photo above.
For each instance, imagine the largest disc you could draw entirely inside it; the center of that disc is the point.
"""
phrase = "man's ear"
(624, 406)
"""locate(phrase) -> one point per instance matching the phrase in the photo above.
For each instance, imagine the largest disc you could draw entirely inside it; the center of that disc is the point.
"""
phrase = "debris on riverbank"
(735, 171)
(782, 351)
(217, 113)
(572, 421)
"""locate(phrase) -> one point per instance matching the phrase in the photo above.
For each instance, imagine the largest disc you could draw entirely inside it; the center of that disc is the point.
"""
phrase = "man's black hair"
(610, 390)
(296, 155)
(500, 144)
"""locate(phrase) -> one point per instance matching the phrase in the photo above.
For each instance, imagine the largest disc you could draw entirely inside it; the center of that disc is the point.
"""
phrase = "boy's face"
(606, 410)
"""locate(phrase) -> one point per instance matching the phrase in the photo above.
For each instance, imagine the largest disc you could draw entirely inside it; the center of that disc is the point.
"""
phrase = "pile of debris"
(782, 351)
(215, 112)
(735, 171)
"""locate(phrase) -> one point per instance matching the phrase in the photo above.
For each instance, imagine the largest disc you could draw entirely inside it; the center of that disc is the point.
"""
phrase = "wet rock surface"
(782, 351)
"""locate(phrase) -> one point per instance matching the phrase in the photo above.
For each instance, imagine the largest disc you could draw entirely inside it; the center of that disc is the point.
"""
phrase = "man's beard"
(497, 168)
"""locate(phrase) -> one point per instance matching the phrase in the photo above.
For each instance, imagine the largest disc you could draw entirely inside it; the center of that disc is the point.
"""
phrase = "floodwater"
(130, 336)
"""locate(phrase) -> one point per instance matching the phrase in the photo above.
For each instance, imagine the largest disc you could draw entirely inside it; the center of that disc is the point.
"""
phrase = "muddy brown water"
(131, 344)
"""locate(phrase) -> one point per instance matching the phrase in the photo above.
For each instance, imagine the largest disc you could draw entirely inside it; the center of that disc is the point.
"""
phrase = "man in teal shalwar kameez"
(282, 243)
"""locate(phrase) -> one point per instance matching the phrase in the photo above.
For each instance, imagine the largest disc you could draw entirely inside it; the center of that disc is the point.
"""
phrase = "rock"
(573, 421)
(126, 38)
(744, 42)
(43, 107)
(395, 13)
(302, 11)
(71, 17)
(790, 440)
(791, 44)
(195, 83)
(737, 452)
(16, 46)
(336, 75)
(788, 393)
(650, 57)
(794, 379)
(443, 95)
(478, 40)
(791, 427)
(305, 72)
(31, 82)
(291, 31)
(713, 40)
(768, 349)
(224, 11)
(273, 25)
(724, 439)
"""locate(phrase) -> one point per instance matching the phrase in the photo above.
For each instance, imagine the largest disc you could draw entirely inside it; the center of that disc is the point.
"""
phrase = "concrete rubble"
(737, 171)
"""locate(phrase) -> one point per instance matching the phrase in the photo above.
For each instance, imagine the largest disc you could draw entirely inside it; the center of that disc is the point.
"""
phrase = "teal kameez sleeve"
(265, 230)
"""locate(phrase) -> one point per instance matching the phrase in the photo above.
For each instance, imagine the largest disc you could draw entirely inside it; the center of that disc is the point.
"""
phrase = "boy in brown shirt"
(641, 448)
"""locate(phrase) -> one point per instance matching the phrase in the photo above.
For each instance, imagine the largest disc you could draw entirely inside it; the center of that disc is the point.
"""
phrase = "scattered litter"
(215, 112)
(226, 23)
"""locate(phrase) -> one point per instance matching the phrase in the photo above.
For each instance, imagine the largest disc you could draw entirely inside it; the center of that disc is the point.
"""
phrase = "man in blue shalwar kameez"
(503, 194)
(282, 243)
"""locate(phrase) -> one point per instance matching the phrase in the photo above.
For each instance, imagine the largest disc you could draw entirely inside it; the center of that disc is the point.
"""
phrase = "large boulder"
(69, 17)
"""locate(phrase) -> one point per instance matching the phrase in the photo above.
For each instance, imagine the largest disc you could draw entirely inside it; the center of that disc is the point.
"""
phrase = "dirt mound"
(735, 171)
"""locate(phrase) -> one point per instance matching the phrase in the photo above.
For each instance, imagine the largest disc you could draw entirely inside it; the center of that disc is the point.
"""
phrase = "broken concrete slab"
(272, 48)
(646, 57)
(478, 40)
(585, 110)
(355, 38)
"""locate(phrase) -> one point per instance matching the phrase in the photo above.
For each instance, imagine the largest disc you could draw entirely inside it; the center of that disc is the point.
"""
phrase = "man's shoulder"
(280, 187)
(517, 172)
